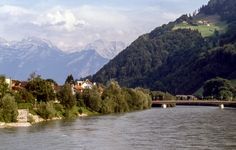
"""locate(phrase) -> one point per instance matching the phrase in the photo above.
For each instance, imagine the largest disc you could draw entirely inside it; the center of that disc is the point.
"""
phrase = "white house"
(9, 82)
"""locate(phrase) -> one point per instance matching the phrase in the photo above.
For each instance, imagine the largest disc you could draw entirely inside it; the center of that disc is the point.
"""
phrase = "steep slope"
(178, 60)
(19, 59)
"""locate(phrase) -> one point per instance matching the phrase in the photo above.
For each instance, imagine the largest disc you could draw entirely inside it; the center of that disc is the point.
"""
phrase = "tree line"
(42, 99)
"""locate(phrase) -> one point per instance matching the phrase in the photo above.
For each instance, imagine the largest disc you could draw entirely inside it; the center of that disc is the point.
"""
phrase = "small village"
(38, 100)
(24, 114)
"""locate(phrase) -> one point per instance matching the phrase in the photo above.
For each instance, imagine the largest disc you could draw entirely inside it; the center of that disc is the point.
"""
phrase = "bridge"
(219, 103)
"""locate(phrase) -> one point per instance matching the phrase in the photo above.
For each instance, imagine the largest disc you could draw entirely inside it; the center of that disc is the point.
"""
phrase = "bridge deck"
(197, 102)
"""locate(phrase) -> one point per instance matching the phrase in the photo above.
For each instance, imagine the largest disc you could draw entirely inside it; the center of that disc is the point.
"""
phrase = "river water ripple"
(180, 128)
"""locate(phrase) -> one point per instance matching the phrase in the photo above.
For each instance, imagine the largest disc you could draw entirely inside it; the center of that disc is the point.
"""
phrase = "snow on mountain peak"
(105, 48)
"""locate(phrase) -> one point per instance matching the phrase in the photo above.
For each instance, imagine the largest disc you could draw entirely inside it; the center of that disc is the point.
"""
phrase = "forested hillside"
(180, 60)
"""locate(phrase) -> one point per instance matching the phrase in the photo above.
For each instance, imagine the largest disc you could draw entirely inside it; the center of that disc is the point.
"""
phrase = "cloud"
(13, 11)
(71, 27)
(60, 19)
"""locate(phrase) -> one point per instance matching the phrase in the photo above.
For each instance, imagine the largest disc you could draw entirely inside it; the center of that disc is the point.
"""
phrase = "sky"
(72, 24)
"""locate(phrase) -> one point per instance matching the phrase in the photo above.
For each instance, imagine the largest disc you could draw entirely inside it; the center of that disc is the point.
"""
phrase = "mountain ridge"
(19, 59)
(181, 60)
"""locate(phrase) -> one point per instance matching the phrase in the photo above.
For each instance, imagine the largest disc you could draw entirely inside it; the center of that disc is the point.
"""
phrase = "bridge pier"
(222, 106)
(164, 106)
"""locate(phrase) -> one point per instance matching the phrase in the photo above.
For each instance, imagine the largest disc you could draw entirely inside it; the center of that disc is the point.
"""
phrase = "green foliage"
(30, 119)
(25, 105)
(52, 81)
(158, 95)
(3, 87)
(219, 88)
(46, 110)
(92, 99)
(8, 109)
(205, 30)
(70, 79)
(23, 96)
(71, 113)
(66, 97)
(41, 89)
(224, 8)
(116, 99)
(80, 100)
(178, 61)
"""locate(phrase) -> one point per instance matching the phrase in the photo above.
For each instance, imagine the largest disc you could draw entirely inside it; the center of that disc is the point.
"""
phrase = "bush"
(92, 99)
(59, 109)
(8, 109)
(23, 96)
(66, 97)
(30, 119)
(46, 110)
(25, 106)
(71, 113)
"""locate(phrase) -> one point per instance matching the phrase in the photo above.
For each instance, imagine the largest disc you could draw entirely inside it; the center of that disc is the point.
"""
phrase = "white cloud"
(13, 11)
(62, 19)
(69, 28)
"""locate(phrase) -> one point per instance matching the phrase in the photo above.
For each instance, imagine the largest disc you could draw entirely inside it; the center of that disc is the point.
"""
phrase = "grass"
(25, 105)
(88, 112)
(206, 31)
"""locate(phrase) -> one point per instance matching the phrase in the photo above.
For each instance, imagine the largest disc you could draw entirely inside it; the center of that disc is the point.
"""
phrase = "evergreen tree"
(70, 79)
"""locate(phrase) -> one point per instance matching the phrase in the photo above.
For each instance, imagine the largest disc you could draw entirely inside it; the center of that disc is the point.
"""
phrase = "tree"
(52, 81)
(23, 96)
(46, 110)
(41, 89)
(113, 94)
(219, 88)
(70, 79)
(92, 99)
(8, 109)
(66, 97)
(3, 87)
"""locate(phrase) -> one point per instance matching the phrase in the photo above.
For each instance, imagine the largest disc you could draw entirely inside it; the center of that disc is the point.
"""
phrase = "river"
(190, 128)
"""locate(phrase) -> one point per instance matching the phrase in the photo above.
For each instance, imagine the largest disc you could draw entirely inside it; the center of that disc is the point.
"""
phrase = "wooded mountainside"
(180, 60)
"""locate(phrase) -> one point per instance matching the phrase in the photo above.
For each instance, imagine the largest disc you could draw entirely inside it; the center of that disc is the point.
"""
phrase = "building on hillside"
(203, 22)
(8, 81)
(82, 85)
(18, 85)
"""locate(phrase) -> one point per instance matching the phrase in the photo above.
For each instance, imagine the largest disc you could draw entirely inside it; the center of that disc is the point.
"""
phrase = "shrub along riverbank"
(40, 99)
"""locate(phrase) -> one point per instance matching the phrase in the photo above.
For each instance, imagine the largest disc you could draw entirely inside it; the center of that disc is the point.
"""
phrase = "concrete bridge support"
(222, 106)
(164, 106)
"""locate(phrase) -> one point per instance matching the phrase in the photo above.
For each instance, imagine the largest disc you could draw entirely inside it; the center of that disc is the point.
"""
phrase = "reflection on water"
(180, 128)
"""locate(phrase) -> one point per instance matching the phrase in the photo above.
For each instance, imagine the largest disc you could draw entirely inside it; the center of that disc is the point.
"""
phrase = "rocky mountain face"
(106, 49)
(21, 58)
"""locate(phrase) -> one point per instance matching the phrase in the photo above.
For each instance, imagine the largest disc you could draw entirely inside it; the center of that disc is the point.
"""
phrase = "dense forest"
(179, 60)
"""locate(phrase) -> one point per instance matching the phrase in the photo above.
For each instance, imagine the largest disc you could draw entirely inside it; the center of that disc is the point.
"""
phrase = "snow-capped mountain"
(20, 58)
(106, 49)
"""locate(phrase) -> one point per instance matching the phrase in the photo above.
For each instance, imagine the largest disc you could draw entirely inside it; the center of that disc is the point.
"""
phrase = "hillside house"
(9, 82)
(18, 85)
(81, 85)
(203, 22)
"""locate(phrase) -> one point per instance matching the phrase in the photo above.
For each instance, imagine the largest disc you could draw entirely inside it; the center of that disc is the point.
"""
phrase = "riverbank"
(26, 119)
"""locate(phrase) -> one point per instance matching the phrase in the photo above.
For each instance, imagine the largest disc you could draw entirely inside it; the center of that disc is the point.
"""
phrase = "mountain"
(21, 58)
(106, 49)
(180, 56)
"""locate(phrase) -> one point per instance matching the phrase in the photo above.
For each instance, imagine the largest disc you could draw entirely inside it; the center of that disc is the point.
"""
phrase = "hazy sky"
(75, 23)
